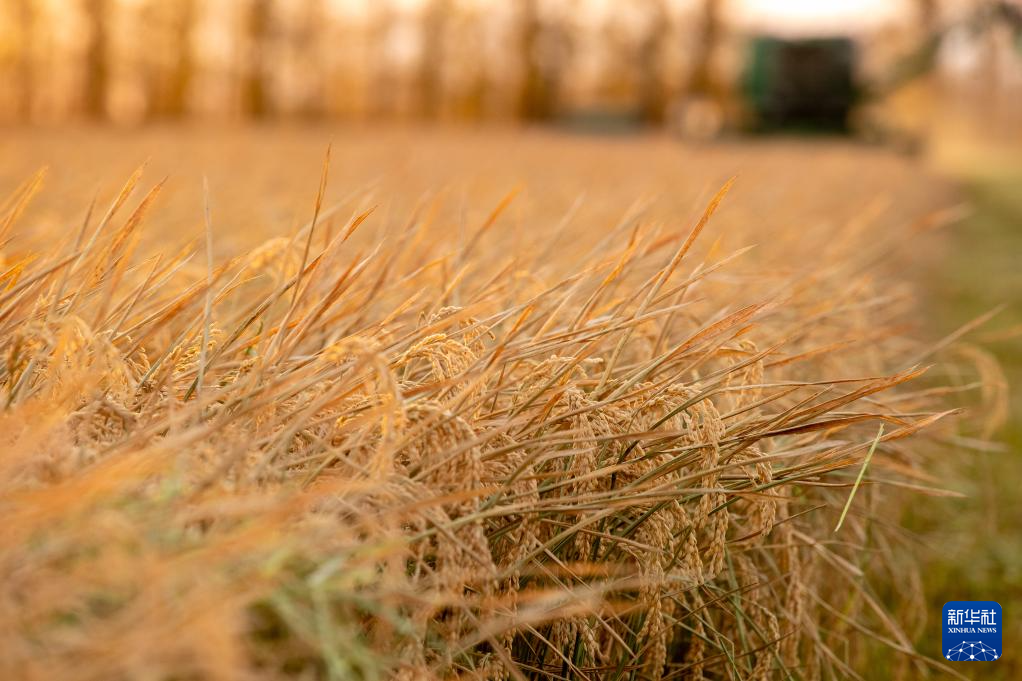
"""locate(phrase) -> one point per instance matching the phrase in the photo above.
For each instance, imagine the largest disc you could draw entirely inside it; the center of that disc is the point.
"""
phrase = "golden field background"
(487, 404)
(474, 339)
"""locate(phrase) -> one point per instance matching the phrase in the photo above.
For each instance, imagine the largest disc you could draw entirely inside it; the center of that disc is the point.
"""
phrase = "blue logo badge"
(972, 631)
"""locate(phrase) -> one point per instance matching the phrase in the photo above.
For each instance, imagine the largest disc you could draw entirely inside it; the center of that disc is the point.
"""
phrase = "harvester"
(814, 83)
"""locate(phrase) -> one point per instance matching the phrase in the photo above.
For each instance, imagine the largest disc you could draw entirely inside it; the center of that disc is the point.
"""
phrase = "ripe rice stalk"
(278, 467)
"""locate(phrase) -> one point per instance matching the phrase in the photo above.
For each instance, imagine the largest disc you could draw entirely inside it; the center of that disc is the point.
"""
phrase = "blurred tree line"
(137, 60)
(141, 60)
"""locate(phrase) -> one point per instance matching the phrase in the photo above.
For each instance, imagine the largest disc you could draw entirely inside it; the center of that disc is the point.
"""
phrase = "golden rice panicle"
(447, 461)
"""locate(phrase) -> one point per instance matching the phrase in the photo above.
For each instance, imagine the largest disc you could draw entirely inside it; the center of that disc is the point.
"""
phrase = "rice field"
(400, 404)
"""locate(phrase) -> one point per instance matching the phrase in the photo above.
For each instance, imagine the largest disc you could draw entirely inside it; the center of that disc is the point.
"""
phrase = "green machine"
(800, 84)
(814, 84)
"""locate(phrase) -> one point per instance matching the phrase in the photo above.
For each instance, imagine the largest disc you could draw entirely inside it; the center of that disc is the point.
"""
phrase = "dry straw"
(308, 462)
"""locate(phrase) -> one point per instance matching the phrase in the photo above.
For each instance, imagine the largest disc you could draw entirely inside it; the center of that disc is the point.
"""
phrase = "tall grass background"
(417, 437)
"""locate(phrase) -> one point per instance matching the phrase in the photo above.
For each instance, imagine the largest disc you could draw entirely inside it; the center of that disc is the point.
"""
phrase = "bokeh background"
(249, 91)
(129, 61)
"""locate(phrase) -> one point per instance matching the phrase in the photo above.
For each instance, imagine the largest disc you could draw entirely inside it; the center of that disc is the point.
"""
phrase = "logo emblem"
(972, 631)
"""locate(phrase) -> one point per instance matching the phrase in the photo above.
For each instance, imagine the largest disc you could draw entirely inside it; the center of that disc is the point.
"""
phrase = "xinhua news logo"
(972, 631)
